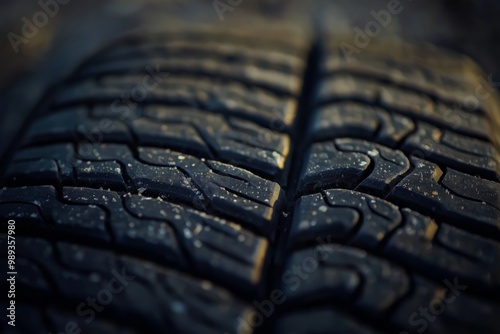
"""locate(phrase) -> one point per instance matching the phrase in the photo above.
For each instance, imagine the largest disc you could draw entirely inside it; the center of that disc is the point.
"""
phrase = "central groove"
(300, 140)
(300, 144)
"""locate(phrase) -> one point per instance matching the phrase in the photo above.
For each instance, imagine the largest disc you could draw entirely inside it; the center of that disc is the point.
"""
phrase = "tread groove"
(225, 180)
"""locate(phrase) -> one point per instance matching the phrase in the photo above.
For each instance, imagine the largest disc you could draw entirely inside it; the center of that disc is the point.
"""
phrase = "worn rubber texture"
(218, 183)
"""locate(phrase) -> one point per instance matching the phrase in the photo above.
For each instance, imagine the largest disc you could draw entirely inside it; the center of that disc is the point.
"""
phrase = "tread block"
(457, 151)
(161, 298)
(186, 238)
(247, 73)
(214, 246)
(207, 135)
(354, 280)
(355, 120)
(343, 216)
(437, 77)
(352, 163)
(105, 173)
(446, 251)
(234, 140)
(210, 94)
(327, 166)
(29, 213)
(223, 51)
(467, 201)
(485, 191)
(343, 274)
(406, 102)
(404, 236)
(351, 119)
(210, 185)
(74, 124)
(38, 210)
(337, 223)
(39, 171)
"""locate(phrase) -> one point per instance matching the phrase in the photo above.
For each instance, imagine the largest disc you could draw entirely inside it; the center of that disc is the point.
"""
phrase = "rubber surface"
(240, 185)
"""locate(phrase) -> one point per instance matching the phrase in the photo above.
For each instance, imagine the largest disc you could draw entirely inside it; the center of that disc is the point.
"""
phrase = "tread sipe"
(259, 184)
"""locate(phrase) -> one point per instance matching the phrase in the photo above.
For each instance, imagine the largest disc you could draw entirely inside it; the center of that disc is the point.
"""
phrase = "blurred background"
(75, 29)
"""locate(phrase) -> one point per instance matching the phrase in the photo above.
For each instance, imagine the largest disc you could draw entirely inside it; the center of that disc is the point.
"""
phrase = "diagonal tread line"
(413, 116)
(391, 83)
(440, 182)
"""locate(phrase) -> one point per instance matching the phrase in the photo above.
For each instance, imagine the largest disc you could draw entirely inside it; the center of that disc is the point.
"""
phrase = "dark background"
(81, 27)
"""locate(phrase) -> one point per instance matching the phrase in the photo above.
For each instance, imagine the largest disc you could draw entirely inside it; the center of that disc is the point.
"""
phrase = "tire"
(214, 182)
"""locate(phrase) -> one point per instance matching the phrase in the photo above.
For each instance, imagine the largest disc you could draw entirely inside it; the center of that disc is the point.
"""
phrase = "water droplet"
(187, 233)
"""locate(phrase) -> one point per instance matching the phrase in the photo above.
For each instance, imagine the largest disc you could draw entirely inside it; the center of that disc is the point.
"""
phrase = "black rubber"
(236, 185)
